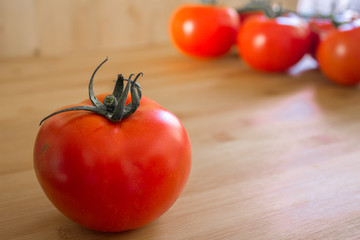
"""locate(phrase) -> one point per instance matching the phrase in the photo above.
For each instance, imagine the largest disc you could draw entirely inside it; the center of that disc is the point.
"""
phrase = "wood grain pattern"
(274, 156)
(60, 27)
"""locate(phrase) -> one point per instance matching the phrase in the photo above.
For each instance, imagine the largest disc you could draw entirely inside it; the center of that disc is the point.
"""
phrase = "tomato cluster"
(268, 41)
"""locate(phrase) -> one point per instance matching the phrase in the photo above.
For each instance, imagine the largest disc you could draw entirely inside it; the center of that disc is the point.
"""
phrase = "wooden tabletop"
(275, 156)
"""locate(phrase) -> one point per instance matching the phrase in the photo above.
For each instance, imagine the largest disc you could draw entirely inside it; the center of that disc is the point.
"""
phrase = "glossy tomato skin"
(339, 55)
(203, 31)
(113, 176)
(273, 44)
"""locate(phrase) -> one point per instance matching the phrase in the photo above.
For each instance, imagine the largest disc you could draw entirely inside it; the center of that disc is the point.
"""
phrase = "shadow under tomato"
(336, 99)
(71, 230)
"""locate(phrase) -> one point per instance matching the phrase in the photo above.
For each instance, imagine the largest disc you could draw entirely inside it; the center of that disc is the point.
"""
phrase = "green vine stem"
(265, 6)
(114, 106)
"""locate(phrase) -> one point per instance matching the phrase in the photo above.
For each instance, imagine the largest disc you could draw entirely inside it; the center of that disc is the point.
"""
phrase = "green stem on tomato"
(264, 6)
(114, 106)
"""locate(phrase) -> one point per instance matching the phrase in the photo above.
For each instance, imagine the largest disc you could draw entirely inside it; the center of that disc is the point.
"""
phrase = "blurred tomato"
(320, 28)
(245, 15)
(273, 44)
(339, 54)
(204, 31)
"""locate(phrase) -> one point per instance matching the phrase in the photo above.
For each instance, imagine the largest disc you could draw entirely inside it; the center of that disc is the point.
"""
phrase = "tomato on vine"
(273, 44)
(319, 29)
(203, 30)
(252, 8)
(114, 162)
(339, 54)
(246, 15)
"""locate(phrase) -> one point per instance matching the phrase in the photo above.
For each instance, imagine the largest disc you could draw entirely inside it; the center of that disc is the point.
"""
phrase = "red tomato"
(111, 176)
(320, 28)
(339, 55)
(204, 31)
(245, 15)
(273, 44)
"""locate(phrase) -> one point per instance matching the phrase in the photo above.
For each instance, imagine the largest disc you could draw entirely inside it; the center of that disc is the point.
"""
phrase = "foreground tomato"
(204, 31)
(339, 55)
(273, 44)
(113, 176)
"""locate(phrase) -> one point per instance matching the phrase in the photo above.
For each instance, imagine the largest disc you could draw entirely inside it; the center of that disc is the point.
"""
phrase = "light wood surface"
(275, 156)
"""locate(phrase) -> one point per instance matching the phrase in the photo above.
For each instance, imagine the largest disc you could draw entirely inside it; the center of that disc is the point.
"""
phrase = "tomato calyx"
(114, 106)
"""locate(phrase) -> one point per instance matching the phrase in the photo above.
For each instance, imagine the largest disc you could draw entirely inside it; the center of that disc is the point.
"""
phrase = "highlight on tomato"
(115, 162)
(203, 30)
(273, 43)
(339, 54)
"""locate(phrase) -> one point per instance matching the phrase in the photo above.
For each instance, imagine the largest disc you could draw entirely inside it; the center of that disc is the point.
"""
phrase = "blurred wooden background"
(58, 27)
